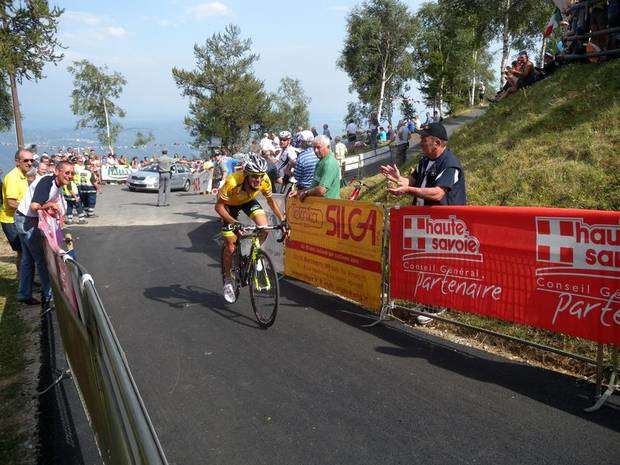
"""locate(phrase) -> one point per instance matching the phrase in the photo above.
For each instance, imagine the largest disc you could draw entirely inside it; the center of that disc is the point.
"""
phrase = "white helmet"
(284, 135)
(255, 164)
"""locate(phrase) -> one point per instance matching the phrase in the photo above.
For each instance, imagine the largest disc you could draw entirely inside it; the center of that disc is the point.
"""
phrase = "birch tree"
(377, 51)
(94, 92)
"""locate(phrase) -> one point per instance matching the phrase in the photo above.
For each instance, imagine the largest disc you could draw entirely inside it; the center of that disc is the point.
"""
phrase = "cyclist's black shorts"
(251, 208)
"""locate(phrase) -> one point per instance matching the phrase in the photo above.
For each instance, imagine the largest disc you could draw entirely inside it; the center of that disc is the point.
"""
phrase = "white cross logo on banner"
(555, 239)
(414, 233)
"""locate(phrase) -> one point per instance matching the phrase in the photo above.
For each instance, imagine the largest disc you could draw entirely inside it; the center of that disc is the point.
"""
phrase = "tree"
(94, 89)
(291, 105)
(142, 140)
(449, 55)
(27, 42)
(407, 109)
(519, 23)
(357, 112)
(6, 105)
(376, 52)
(226, 99)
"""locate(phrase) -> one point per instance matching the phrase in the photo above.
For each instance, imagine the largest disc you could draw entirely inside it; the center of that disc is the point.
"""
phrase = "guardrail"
(112, 402)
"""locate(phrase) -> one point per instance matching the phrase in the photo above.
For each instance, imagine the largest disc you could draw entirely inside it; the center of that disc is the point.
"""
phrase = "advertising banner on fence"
(201, 182)
(336, 245)
(115, 173)
(549, 268)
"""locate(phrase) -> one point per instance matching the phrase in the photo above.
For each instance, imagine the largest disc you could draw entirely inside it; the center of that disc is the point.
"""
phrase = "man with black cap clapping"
(438, 179)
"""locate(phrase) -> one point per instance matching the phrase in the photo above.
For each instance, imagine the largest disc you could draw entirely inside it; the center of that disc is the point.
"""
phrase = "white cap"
(306, 135)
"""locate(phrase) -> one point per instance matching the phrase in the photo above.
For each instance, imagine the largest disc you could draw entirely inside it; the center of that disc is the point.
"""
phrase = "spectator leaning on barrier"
(14, 187)
(44, 194)
(326, 182)
(306, 162)
(438, 179)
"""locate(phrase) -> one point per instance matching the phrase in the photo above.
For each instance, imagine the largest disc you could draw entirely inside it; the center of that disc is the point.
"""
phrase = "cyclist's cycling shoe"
(229, 292)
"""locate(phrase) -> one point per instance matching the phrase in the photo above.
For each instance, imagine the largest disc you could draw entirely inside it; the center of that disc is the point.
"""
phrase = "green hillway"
(554, 144)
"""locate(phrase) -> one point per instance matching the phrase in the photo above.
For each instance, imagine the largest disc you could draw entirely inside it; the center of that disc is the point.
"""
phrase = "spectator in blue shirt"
(306, 162)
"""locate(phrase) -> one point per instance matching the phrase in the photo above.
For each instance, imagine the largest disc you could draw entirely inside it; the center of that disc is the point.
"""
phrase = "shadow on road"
(179, 297)
(196, 215)
(551, 388)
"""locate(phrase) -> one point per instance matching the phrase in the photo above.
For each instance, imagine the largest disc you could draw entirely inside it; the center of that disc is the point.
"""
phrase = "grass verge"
(19, 367)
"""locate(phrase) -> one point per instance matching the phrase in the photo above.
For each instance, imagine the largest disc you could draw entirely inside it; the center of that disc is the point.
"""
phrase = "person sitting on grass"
(518, 77)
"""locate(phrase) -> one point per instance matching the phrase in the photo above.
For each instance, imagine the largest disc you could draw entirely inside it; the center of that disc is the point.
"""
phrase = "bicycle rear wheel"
(264, 290)
(234, 271)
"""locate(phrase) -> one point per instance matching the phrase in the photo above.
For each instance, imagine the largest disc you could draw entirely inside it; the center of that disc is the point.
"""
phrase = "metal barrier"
(334, 238)
(117, 415)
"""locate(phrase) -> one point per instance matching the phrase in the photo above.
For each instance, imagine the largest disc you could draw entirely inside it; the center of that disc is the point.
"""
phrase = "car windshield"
(150, 168)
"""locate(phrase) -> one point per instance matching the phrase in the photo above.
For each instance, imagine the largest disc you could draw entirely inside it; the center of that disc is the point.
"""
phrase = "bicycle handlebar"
(252, 229)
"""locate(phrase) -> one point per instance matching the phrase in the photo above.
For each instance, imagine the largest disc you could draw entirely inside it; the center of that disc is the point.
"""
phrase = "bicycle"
(255, 270)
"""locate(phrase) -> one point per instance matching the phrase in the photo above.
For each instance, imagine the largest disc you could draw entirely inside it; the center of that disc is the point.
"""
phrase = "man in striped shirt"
(306, 162)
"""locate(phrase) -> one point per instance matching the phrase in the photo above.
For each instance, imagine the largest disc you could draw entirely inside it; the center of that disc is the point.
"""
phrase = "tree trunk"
(472, 94)
(17, 114)
(543, 49)
(440, 103)
(107, 126)
(381, 94)
(505, 43)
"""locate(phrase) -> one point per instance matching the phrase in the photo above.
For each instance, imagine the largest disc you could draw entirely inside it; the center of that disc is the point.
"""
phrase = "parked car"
(147, 178)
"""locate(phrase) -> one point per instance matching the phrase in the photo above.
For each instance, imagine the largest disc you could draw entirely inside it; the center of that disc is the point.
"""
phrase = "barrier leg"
(61, 374)
(384, 315)
(612, 386)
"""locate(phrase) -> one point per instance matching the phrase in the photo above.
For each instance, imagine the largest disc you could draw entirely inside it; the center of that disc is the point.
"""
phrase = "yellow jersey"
(14, 186)
(233, 193)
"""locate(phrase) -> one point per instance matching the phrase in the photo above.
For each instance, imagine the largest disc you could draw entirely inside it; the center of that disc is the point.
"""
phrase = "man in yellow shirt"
(14, 186)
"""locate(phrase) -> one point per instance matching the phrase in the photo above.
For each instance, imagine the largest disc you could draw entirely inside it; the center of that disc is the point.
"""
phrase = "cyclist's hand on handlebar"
(286, 230)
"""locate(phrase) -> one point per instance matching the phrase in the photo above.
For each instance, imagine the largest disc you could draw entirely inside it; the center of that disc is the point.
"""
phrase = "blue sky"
(144, 39)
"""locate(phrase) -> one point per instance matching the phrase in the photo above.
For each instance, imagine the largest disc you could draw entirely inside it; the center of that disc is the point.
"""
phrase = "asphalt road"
(317, 387)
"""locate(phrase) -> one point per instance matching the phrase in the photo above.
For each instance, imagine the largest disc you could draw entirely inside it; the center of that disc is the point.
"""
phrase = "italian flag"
(553, 23)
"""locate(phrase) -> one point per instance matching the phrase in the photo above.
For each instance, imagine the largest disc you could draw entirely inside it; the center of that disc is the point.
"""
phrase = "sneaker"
(424, 320)
(229, 292)
(83, 221)
(68, 220)
(30, 301)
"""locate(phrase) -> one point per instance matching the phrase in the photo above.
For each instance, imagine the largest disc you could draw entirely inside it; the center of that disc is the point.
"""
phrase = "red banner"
(548, 268)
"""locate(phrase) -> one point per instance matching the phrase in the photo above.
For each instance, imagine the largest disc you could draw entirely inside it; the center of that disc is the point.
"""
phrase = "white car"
(147, 178)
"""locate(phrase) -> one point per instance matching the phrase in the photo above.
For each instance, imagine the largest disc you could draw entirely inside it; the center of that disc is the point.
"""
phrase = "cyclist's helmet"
(255, 164)
(284, 135)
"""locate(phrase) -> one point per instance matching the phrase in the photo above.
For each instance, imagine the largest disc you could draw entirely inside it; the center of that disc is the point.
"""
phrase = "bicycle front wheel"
(264, 290)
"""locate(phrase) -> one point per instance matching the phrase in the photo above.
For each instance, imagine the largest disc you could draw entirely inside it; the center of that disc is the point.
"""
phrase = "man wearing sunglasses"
(14, 187)
(43, 194)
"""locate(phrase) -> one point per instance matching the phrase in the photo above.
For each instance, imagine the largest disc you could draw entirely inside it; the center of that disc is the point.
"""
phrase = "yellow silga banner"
(337, 245)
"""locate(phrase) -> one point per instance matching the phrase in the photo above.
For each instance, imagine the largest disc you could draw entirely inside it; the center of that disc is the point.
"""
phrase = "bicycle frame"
(245, 261)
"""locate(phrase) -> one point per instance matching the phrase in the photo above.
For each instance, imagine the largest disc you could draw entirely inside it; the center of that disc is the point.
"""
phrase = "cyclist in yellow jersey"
(239, 193)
